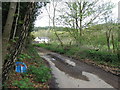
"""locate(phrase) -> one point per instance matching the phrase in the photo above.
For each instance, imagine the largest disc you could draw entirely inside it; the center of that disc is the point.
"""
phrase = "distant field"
(92, 39)
(64, 36)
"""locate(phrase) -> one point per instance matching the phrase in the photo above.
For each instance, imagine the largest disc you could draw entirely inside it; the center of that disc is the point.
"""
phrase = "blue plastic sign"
(21, 67)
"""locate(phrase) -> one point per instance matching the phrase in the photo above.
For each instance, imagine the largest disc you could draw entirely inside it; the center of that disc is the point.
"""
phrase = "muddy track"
(76, 71)
(68, 69)
(110, 78)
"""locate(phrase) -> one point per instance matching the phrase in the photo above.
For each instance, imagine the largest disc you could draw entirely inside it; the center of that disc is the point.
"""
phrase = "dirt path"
(71, 73)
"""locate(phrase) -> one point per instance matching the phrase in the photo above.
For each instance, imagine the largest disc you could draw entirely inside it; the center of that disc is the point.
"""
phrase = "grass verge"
(37, 75)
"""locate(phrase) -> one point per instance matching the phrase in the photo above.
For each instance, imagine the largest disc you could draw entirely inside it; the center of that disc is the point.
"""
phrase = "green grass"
(52, 47)
(42, 72)
(33, 53)
(24, 83)
(82, 53)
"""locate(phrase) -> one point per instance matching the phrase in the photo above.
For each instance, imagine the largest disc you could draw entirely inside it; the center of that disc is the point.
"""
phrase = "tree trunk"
(113, 44)
(16, 22)
(8, 27)
(80, 27)
(80, 11)
(76, 21)
(54, 6)
(9, 21)
(108, 40)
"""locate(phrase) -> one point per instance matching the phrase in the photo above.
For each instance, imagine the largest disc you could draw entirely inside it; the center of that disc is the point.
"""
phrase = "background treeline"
(17, 24)
(50, 27)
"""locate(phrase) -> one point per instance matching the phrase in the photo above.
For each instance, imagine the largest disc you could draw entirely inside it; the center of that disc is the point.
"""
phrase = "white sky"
(43, 19)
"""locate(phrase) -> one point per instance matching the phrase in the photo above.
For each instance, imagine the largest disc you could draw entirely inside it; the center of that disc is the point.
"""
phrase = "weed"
(42, 73)
(25, 83)
(23, 56)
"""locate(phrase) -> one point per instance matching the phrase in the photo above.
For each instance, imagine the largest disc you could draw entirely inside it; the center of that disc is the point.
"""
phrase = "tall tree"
(84, 14)
(16, 21)
(53, 18)
(8, 26)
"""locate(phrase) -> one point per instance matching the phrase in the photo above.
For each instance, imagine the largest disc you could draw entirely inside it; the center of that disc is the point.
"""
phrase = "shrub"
(42, 73)
(104, 56)
(72, 51)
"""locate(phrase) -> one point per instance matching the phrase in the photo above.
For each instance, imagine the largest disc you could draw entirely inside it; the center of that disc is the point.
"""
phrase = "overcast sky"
(43, 19)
